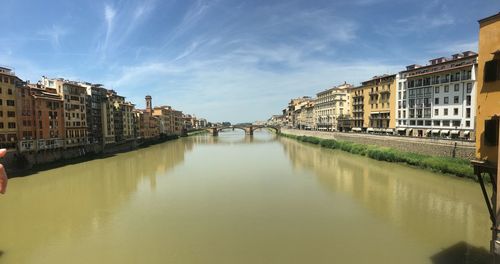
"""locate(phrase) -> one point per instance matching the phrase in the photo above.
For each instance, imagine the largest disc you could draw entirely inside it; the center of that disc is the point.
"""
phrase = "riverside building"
(40, 118)
(358, 108)
(75, 110)
(329, 105)
(8, 122)
(488, 122)
(378, 107)
(436, 100)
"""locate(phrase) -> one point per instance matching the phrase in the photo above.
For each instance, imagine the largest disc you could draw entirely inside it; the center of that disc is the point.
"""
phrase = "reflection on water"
(435, 209)
(237, 199)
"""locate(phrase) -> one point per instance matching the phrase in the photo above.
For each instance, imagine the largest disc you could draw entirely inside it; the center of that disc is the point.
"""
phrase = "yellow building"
(488, 96)
(8, 126)
(357, 95)
(378, 97)
(487, 121)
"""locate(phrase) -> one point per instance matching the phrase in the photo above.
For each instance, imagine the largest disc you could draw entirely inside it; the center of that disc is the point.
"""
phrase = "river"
(239, 199)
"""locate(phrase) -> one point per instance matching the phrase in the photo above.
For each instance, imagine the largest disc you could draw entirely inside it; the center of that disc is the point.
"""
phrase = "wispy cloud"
(109, 18)
(54, 35)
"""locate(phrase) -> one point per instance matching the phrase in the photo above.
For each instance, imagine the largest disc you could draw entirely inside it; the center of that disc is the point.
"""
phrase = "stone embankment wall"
(16, 162)
(427, 146)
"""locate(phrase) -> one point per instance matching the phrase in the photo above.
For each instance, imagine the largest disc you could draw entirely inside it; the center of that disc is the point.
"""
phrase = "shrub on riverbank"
(459, 167)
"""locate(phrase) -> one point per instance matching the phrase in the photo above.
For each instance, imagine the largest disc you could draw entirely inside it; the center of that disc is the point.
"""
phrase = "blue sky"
(226, 59)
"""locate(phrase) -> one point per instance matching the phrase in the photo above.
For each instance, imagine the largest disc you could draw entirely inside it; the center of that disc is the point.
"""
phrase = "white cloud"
(109, 17)
(54, 34)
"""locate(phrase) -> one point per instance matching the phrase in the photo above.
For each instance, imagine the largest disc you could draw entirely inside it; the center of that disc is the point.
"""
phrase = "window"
(455, 111)
(455, 99)
(10, 103)
(446, 123)
(446, 100)
(11, 125)
(445, 111)
(491, 71)
(436, 101)
(456, 87)
(9, 91)
(468, 99)
(436, 111)
(11, 114)
(467, 123)
(467, 112)
(436, 89)
(446, 88)
(469, 88)
(456, 123)
(436, 123)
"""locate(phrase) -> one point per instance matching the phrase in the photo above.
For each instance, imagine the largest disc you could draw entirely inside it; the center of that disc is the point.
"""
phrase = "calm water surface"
(238, 199)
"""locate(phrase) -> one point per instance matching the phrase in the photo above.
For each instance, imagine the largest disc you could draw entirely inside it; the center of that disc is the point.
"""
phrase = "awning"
(455, 132)
(410, 130)
(466, 133)
(401, 129)
(428, 131)
(435, 131)
(369, 129)
(357, 129)
(374, 113)
(389, 130)
(445, 131)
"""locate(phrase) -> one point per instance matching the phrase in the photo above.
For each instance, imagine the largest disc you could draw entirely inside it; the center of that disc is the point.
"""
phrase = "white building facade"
(438, 100)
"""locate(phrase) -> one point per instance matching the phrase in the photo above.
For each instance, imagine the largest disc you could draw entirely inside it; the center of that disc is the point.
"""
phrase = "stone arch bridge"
(249, 129)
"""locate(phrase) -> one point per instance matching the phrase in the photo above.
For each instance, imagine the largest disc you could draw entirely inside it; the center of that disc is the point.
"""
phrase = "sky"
(231, 60)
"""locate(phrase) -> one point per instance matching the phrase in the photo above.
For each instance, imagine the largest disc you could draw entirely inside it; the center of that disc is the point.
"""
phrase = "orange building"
(75, 110)
(8, 122)
(40, 118)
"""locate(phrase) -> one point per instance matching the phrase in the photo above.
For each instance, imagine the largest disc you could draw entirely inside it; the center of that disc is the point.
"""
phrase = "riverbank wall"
(20, 164)
(425, 146)
(448, 165)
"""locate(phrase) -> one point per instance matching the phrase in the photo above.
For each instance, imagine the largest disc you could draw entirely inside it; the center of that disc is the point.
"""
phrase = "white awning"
(389, 130)
(356, 129)
(374, 113)
(435, 131)
(369, 129)
(445, 131)
(466, 133)
(455, 132)
(428, 131)
(401, 129)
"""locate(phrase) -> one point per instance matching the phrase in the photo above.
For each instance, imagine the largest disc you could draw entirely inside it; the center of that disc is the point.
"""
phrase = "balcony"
(385, 91)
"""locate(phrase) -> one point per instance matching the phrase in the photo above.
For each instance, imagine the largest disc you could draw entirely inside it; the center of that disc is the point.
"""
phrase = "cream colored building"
(329, 105)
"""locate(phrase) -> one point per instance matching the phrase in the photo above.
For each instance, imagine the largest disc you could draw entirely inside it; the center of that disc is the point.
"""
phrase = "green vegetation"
(455, 166)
